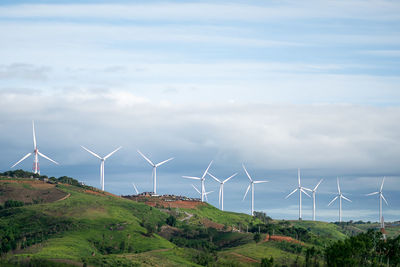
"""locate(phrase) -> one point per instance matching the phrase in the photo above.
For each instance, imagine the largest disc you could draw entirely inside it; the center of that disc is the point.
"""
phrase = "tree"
(171, 220)
(257, 237)
(267, 262)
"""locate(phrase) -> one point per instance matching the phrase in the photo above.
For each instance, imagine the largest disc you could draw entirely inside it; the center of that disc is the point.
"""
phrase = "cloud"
(346, 137)
(386, 10)
(24, 72)
(384, 53)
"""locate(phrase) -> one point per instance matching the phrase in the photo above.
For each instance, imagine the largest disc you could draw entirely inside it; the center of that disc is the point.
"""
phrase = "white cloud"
(385, 53)
(346, 137)
(385, 10)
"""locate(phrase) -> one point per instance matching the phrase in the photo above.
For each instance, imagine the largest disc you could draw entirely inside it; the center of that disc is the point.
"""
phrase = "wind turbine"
(154, 173)
(313, 196)
(35, 153)
(102, 160)
(221, 188)
(202, 179)
(340, 196)
(380, 202)
(205, 193)
(251, 184)
(136, 190)
(300, 189)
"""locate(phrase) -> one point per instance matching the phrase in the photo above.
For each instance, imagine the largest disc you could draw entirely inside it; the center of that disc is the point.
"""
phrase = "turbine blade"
(383, 181)
(315, 188)
(301, 189)
(162, 162)
(91, 152)
(226, 180)
(46, 157)
(338, 186)
(215, 178)
(134, 186)
(245, 194)
(259, 182)
(191, 177)
(109, 155)
(195, 188)
(332, 200)
(205, 173)
(24, 157)
(371, 194)
(298, 176)
(384, 199)
(308, 189)
(34, 135)
(346, 198)
(248, 175)
(291, 193)
(205, 194)
(147, 159)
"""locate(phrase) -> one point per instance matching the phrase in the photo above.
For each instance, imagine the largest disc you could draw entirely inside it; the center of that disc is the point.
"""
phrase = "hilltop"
(59, 221)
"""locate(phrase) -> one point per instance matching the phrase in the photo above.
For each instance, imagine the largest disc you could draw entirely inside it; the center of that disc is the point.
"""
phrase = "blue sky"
(277, 85)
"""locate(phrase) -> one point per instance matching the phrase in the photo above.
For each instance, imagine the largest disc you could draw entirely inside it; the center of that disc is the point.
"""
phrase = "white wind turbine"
(35, 153)
(102, 160)
(251, 184)
(136, 190)
(202, 179)
(221, 188)
(154, 173)
(205, 193)
(340, 196)
(313, 196)
(380, 203)
(301, 190)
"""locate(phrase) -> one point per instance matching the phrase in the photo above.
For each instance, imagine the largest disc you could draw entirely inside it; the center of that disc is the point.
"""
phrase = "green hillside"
(58, 222)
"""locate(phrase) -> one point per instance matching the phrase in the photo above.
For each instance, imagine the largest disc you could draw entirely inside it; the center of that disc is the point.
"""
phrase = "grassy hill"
(58, 222)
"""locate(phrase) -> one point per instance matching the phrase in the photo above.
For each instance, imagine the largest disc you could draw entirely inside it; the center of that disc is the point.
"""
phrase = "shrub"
(13, 203)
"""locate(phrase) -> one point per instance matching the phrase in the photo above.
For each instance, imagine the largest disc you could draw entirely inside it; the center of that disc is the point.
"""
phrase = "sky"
(274, 85)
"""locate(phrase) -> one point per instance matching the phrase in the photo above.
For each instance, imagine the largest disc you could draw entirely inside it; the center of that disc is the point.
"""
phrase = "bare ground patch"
(29, 191)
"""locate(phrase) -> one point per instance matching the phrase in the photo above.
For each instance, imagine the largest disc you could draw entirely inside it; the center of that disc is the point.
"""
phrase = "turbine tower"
(154, 173)
(35, 153)
(202, 179)
(205, 193)
(380, 203)
(102, 160)
(251, 184)
(301, 190)
(313, 197)
(340, 196)
(221, 188)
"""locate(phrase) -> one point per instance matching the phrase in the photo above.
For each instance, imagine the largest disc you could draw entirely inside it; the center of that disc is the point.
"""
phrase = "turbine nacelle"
(221, 188)
(381, 196)
(339, 196)
(301, 189)
(154, 174)
(202, 180)
(102, 161)
(251, 184)
(35, 153)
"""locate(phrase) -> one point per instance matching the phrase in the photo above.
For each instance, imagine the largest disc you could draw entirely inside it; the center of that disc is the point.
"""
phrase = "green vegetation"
(365, 249)
(11, 204)
(94, 228)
